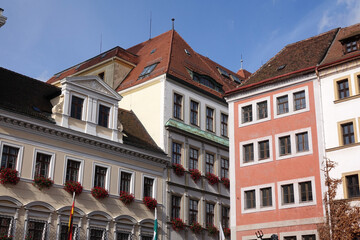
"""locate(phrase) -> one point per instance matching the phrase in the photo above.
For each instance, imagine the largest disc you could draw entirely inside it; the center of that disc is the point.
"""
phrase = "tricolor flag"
(155, 226)
(221, 232)
(70, 226)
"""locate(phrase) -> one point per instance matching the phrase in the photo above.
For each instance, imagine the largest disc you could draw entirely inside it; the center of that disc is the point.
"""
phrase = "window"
(175, 206)
(194, 113)
(351, 45)
(343, 89)
(193, 211)
(209, 119)
(72, 170)
(308, 237)
(146, 238)
(302, 143)
(100, 176)
(9, 157)
(42, 165)
(262, 111)
(5, 225)
(266, 197)
(352, 186)
(225, 217)
(101, 75)
(209, 163)
(348, 136)
(299, 100)
(249, 199)
(287, 193)
(97, 234)
(290, 238)
(103, 116)
(148, 187)
(122, 236)
(76, 107)
(285, 145)
(282, 105)
(147, 70)
(36, 230)
(193, 158)
(224, 125)
(176, 153)
(248, 153)
(246, 114)
(305, 191)
(264, 151)
(177, 106)
(224, 168)
(64, 232)
(125, 182)
(209, 214)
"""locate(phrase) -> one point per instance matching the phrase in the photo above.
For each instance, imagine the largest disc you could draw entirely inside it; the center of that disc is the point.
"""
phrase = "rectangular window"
(5, 226)
(246, 114)
(36, 230)
(305, 191)
(209, 119)
(248, 153)
(177, 106)
(343, 88)
(193, 211)
(282, 105)
(224, 168)
(148, 187)
(302, 143)
(224, 125)
(103, 116)
(290, 238)
(76, 107)
(308, 237)
(285, 145)
(266, 197)
(42, 165)
(194, 113)
(64, 232)
(100, 176)
(125, 182)
(122, 236)
(352, 185)
(72, 170)
(348, 133)
(299, 100)
(287, 193)
(193, 158)
(225, 217)
(9, 157)
(176, 153)
(146, 238)
(262, 111)
(209, 214)
(175, 206)
(250, 199)
(209, 163)
(97, 234)
(264, 150)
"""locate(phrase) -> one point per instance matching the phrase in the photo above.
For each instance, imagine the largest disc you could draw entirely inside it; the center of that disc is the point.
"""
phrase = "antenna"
(100, 42)
(150, 23)
(241, 62)
(173, 20)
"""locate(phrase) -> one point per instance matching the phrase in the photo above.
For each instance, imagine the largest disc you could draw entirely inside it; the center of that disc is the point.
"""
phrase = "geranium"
(9, 175)
(177, 224)
(126, 197)
(178, 169)
(195, 174)
(226, 182)
(6, 237)
(99, 192)
(42, 182)
(227, 232)
(72, 186)
(212, 230)
(150, 202)
(195, 227)
(212, 178)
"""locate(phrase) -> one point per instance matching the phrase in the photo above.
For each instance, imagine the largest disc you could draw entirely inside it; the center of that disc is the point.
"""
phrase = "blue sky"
(43, 37)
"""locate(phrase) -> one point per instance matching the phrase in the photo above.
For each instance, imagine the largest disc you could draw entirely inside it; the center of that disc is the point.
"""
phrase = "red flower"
(195, 174)
(212, 178)
(150, 202)
(212, 230)
(9, 175)
(177, 224)
(226, 182)
(178, 169)
(99, 192)
(126, 197)
(42, 182)
(196, 227)
(227, 232)
(6, 237)
(72, 186)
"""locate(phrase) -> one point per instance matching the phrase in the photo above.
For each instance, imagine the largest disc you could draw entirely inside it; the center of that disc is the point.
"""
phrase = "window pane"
(209, 119)
(248, 153)
(285, 145)
(266, 197)
(249, 199)
(194, 108)
(287, 193)
(224, 168)
(42, 165)
(305, 191)
(193, 158)
(209, 214)
(193, 211)
(302, 143)
(299, 100)
(348, 133)
(176, 153)
(282, 105)
(343, 89)
(209, 163)
(177, 106)
(352, 183)
(9, 157)
(103, 116)
(246, 114)
(72, 170)
(175, 207)
(100, 176)
(264, 151)
(125, 181)
(148, 187)
(262, 111)
(76, 107)
(224, 125)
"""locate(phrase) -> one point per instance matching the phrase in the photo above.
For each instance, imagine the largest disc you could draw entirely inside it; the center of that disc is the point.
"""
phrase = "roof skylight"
(223, 72)
(235, 79)
(147, 70)
(281, 67)
(152, 51)
(187, 52)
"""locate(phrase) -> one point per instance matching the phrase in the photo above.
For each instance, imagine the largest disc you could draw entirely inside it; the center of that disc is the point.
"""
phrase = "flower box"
(9, 175)
(126, 197)
(212, 178)
(177, 224)
(42, 182)
(72, 186)
(196, 227)
(5, 237)
(195, 174)
(150, 202)
(212, 230)
(227, 232)
(226, 182)
(179, 170)
(99, 192)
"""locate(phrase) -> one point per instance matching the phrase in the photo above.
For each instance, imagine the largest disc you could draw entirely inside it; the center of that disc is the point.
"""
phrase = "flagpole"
(70, 226)
(155, 237)
(221, 232)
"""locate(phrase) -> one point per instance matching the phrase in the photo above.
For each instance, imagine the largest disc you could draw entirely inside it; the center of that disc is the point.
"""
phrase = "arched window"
(146, 229)
(9, 208)
(63, 221)
(124, 228)
(98, 225)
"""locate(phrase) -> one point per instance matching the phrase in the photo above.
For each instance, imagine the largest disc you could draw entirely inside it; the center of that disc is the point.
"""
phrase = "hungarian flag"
(70, 226)
(155, 226)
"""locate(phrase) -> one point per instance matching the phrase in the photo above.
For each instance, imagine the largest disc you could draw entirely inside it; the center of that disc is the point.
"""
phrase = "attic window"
(281, 67)
(235, 79)
(223, 72)
(101, 75)
(58, 75)
(351, 44)
(152, 51)
(147, 70)
(206, 81)
(77, 67)
(187, 52)
(103, 55)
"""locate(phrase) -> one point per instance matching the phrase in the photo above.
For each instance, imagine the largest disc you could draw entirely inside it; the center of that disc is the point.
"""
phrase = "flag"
(155, 226)
(70, 226)
(221, 233)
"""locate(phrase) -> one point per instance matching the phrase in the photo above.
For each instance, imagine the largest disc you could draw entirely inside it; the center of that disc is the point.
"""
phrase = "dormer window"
(76, 107)
(351, 46)
(101, 75)
(103, 116)
(147, 70)
(351, 43)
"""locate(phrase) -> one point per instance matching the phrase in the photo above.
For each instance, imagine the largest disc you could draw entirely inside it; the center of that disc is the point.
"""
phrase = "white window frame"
(214, 119)
(198, 112)
(297, 202)
(107, 179)
(132, 180)
(111, 113)
(182, 113)
(293, 143)
(154, 185)
(85, 98)
(255, 143)
(19, 157)
(298, 234)
(51, 164)
(258, 207)
(81, 169)
(253, 104)
(290, 95)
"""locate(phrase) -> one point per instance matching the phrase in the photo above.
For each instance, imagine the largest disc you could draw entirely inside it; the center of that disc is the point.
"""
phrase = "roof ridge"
(312, 37)
(144, 42)
(170, 50)
(327, 50)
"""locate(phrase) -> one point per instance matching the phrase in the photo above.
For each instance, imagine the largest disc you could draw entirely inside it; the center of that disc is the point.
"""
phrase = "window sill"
(347, 99)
